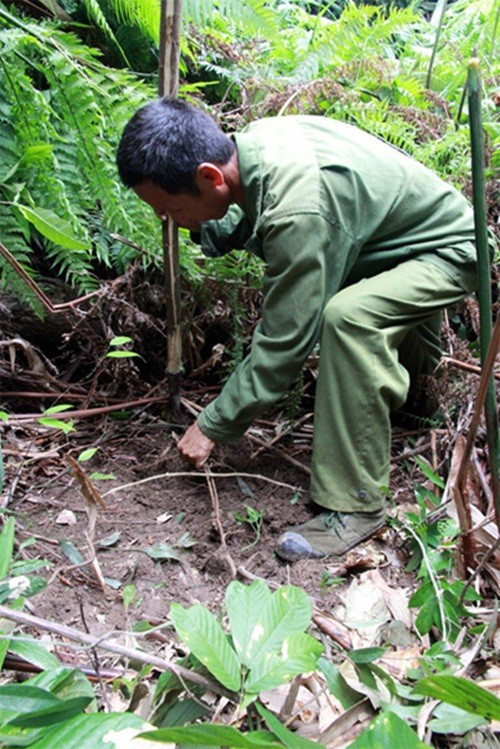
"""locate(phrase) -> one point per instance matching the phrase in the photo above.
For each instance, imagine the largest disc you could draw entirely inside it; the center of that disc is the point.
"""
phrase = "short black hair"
(165, 142)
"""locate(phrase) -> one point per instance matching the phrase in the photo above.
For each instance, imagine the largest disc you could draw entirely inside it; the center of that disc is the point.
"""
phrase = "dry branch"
(61, 630)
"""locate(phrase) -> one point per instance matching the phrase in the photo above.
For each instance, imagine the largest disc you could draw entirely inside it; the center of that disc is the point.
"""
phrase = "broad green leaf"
(289, 739)
(366, 655)
(451, 719)
(388, 731)
(201, 632)
(57, 713)
(20, 698)
(33, 652)
(6, 546)
(52, 227)
(100, 730)
(338, 686)
(462, 693)
(287, 611)
(299, 654)
(210, 734)
(63, 682)
(244, 605)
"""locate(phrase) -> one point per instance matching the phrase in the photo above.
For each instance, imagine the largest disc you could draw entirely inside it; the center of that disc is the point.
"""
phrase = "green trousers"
(378, 335)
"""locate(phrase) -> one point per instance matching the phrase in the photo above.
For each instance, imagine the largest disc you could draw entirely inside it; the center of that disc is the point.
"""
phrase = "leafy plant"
(254, 518)
(268, 645)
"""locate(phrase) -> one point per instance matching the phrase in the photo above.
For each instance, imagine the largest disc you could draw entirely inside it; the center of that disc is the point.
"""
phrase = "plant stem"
(170, 30)
(436, 42)
(484, 269)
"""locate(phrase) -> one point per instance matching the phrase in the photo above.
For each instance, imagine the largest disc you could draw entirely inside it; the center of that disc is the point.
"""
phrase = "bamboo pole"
(484, 268)
(428, 79)
(168, 74)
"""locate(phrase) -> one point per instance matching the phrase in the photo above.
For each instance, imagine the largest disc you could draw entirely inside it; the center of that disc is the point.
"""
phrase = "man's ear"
(208, 172)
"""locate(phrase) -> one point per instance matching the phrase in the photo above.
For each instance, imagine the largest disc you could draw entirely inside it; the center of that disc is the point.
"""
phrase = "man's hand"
(195, 446)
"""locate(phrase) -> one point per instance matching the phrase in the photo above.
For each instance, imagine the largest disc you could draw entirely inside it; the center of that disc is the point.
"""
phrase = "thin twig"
(89, 641)
(468, 367)
(197, 474)
(215, 504)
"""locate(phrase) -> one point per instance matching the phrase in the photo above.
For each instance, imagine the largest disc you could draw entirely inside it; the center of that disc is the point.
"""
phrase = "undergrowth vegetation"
(62, 109)
(68, 85)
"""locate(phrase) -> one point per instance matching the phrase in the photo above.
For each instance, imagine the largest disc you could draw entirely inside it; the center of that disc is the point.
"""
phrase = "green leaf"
(53, 714)
(70, 551)
(450, 719)
(87, 454)
(120, 340)
(163, 551)
(365, 655)
(388, 731)
(287, 611)
(289, 739)
(122, 354)
(210, 734)
(110, 540)
(427, 471)
(57, 409)
(52, 227)
(200, 631)
(6, 546)
(64, 426)
(462, 693)
(90, 731)
(244, 605)
(23, 699)
(33, 652)
(63, 682)
(299, 654)
(338, 686)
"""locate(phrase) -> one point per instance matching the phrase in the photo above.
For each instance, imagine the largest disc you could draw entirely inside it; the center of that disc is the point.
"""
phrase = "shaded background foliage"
(72, 73)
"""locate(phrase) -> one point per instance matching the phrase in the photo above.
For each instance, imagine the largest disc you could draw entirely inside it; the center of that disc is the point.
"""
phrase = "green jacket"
(326, 204)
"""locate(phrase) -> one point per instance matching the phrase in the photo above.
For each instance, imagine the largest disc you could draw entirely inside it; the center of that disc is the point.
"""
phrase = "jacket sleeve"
(217, 238)
(299, 261)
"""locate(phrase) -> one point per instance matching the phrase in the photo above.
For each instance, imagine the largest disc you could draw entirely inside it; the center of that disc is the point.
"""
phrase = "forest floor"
(133, 528)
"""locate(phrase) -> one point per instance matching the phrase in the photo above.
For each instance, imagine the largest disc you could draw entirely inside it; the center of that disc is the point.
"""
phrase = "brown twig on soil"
(215, 504)
(468, 367)
(14, 662)
(89, 412)
(88, 641)
(196, 474)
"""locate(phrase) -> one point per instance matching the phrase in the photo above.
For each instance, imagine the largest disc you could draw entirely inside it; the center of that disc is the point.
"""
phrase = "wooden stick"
(61, 630)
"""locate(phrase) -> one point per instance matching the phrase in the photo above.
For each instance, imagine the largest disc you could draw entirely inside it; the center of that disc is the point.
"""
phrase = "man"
(364, 247)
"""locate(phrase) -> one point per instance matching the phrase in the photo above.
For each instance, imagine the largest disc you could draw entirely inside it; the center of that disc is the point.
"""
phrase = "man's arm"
(306, 257)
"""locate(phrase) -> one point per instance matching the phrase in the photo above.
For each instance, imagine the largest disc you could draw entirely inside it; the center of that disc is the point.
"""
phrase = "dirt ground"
(157, 506)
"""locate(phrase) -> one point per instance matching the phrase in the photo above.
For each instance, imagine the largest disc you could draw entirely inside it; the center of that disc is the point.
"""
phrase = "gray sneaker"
(329, 534)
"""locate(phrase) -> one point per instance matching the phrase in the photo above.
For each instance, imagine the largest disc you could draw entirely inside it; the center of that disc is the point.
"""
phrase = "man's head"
(175, 158)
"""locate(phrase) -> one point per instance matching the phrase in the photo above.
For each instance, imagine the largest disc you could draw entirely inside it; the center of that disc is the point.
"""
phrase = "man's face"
(187, 211)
